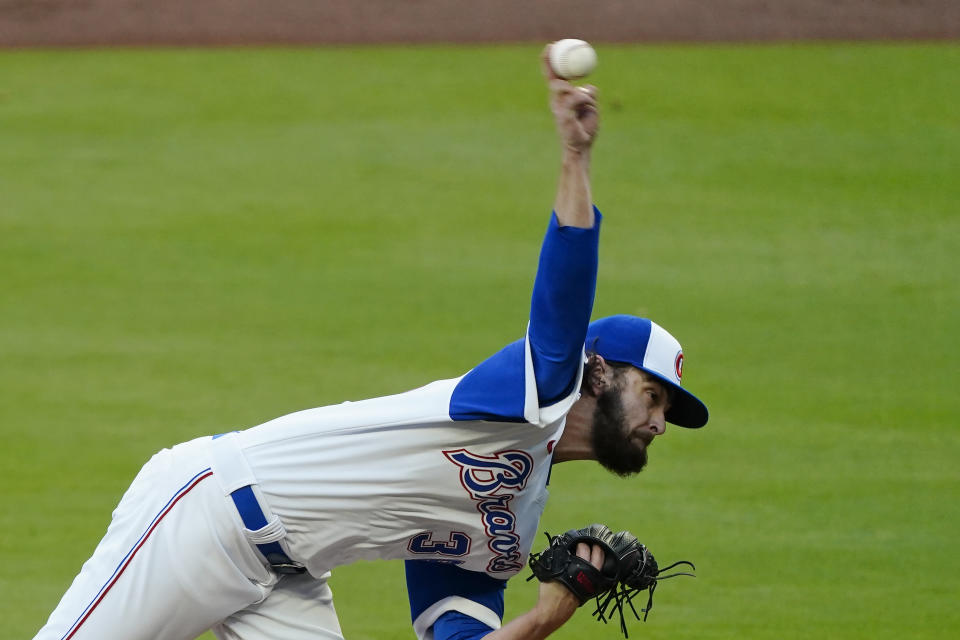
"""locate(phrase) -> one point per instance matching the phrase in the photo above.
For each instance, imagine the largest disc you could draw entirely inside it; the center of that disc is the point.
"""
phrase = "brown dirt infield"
(26, 23)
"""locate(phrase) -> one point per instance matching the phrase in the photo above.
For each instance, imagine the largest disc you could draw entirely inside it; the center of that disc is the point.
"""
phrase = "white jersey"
(399, 477)
(455, 471)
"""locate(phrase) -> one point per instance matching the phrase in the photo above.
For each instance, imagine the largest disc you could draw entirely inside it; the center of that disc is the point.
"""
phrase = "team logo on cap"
(678, 365)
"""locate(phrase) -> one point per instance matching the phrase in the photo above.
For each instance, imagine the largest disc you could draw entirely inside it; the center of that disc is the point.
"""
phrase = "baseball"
(571, 58)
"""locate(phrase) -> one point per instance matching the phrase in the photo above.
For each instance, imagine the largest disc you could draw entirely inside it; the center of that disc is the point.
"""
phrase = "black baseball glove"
(560, 562)
(628, 569)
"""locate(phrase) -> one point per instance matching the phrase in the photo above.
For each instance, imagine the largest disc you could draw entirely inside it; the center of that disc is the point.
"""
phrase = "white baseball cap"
(649, 347)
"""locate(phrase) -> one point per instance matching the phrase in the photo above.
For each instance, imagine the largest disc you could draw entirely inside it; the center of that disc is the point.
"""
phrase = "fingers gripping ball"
(572, 59)
(560, 562)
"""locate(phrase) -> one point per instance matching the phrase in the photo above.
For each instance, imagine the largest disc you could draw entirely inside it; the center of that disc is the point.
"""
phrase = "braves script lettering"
(493, 481)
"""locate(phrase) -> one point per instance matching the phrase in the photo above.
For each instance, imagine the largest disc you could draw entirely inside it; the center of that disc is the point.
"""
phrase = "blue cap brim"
(686, 410)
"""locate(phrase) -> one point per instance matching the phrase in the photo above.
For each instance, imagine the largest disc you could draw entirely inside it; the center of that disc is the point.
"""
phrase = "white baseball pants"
(176, 561)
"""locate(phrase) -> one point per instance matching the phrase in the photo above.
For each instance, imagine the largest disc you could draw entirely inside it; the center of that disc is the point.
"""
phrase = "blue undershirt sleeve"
(561, 305)
(458, 604)
(560, 311)
(454, 625)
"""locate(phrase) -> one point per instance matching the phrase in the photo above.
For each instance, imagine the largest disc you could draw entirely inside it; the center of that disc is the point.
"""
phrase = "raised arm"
(577, 119)
(566, 277)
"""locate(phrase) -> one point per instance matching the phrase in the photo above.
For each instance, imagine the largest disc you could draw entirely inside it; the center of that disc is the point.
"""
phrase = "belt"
(253, 519)
(232, 471)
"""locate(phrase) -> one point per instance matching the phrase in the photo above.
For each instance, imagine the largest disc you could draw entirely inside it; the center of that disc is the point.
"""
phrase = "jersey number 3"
(458, 544)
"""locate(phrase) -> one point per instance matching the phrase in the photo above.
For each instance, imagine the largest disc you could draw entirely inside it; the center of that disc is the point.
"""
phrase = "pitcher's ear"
(597, 375)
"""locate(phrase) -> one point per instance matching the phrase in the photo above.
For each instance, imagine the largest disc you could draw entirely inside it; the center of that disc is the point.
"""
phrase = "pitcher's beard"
(612, 444)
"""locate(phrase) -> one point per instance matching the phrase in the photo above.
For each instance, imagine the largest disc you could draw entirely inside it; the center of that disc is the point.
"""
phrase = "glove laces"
(618, 599)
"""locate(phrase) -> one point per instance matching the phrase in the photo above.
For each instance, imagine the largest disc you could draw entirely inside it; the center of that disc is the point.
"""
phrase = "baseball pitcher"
(239, 532)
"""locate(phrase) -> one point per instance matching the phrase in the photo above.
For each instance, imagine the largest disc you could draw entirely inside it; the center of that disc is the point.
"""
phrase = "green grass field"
(197, 241)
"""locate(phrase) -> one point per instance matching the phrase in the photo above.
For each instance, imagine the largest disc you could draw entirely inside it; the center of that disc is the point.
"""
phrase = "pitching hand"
(574, 108)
